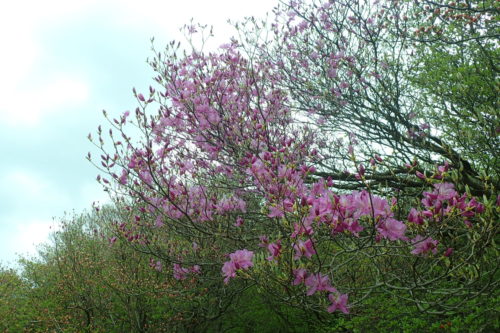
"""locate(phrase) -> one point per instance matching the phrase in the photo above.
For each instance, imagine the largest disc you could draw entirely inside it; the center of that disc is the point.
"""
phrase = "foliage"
(15, 309)
(87, 280)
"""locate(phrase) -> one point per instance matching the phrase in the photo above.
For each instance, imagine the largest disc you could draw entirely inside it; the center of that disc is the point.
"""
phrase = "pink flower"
(158, 266)
(241, 259)
(263, 241)
(380, 206)
(443, 168)
(300, 276)
(318, 282)
(339, 302)
(274, 249)
(424, 245)
(239, 221)
(275, 212)
(420, 175)
(392, 229)
(355, 228)
(303, 249)
(123, 177)
(159, 223)
(415, 217)
(180, 272)
(444, 191)
(361, 170)
(477, 207)
(112, 240)
(228, 270)
(299, 229)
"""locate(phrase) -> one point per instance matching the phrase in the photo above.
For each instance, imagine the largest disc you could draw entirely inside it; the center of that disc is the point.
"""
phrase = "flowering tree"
(294, 164)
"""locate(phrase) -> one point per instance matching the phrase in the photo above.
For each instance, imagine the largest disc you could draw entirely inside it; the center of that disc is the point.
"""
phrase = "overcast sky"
(63, 62)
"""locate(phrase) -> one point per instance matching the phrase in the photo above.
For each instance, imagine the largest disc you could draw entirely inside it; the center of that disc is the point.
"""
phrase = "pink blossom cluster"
(423, 245)
(157, 265)
(445, 201)
(317, 282)
(275, 250)
(239, 260)
(347, 212)
(197, 202)
(181, 273)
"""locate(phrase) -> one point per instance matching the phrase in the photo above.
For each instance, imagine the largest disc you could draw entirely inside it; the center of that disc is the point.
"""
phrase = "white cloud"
(28, 235)
(92, 192)
(21, 102)
(26, 225)
(165, 18)
(20, 23)
(173, 14)
(32, 193)
(27, 107)
(29, 221)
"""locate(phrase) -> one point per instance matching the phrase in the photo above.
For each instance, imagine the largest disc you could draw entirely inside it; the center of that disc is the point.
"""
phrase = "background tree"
(456, 57)
(366, 69)
(15, 309)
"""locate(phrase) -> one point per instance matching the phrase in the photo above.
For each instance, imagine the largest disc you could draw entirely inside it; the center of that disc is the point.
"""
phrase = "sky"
(63, 62)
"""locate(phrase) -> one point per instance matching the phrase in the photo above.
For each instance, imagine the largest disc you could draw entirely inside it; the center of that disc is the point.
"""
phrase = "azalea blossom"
(445, 191)
(392, 229)
(300, 276)
(339, 302)
(274, 249)
(241, 259)
(318, 282)
(424, 245)
(158, 266)
(303, 249)
(239, 221)
(301, 229)
(275, 212)
(180, 272)
(415, 217)
(264, 240)
(112, 240)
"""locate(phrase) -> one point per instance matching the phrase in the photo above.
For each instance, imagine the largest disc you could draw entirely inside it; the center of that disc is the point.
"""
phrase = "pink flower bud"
(420, 175)
(361, 170)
